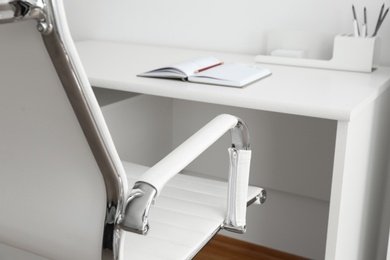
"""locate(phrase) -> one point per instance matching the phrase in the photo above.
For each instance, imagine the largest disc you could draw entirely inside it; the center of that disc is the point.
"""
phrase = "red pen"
(209, 67)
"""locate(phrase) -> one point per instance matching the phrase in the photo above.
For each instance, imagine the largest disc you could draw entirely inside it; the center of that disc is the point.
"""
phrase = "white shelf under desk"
(358, 103)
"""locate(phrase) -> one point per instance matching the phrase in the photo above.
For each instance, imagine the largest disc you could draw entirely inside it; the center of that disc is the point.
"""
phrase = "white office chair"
(63, 189)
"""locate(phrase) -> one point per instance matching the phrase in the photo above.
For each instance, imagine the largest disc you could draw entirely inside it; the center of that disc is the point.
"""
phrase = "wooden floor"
(225, 248)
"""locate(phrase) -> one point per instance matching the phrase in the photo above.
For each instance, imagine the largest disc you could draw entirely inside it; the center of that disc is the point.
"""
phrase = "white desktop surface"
(329, 94)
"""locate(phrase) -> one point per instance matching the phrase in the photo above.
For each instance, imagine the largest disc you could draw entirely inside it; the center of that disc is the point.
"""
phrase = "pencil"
(209, 67)
(354, 12)
(355, 19)
(364, 26)
(365, 15)
(379, 21)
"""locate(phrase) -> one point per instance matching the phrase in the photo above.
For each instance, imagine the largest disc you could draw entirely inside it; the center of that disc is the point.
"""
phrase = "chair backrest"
(53, 196)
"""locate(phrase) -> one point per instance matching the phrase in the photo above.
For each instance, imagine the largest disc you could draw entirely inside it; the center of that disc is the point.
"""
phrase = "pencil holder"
(348, 53)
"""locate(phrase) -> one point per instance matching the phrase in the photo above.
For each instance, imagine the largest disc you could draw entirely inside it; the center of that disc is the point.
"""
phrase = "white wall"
(236, 26)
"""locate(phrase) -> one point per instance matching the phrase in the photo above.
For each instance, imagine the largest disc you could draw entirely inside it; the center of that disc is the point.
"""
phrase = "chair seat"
(189, 211)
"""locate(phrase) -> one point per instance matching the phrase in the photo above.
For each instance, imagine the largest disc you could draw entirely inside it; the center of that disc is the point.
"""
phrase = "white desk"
(359, 102)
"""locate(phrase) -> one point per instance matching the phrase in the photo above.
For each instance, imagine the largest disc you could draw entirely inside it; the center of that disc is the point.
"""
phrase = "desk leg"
(359, 183)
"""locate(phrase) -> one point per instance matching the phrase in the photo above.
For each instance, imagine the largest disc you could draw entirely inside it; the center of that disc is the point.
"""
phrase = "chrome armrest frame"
(138, 203)
(240, 136)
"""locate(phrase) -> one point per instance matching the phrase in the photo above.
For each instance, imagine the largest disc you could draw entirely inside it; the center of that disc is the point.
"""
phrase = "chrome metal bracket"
(261, 198)
(137, 206)
(234, 229)
(17, 10)
(240, 136)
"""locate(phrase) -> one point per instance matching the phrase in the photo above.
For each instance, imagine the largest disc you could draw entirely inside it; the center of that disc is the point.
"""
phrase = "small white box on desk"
(349, 53)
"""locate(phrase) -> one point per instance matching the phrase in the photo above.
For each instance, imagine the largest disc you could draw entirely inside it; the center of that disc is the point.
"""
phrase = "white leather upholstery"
(44, 154)
(186, 215)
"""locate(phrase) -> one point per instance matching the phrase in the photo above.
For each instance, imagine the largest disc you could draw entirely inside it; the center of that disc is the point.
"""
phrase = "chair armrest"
(189, 150)
(150, 184)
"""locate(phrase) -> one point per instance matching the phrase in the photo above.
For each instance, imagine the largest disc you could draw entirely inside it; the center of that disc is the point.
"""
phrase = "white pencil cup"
(348, 53)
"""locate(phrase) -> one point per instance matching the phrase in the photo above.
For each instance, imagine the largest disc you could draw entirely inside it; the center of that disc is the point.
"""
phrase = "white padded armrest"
(178, 159)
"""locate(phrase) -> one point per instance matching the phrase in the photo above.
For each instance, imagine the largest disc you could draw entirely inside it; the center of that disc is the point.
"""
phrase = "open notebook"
(210, 70)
